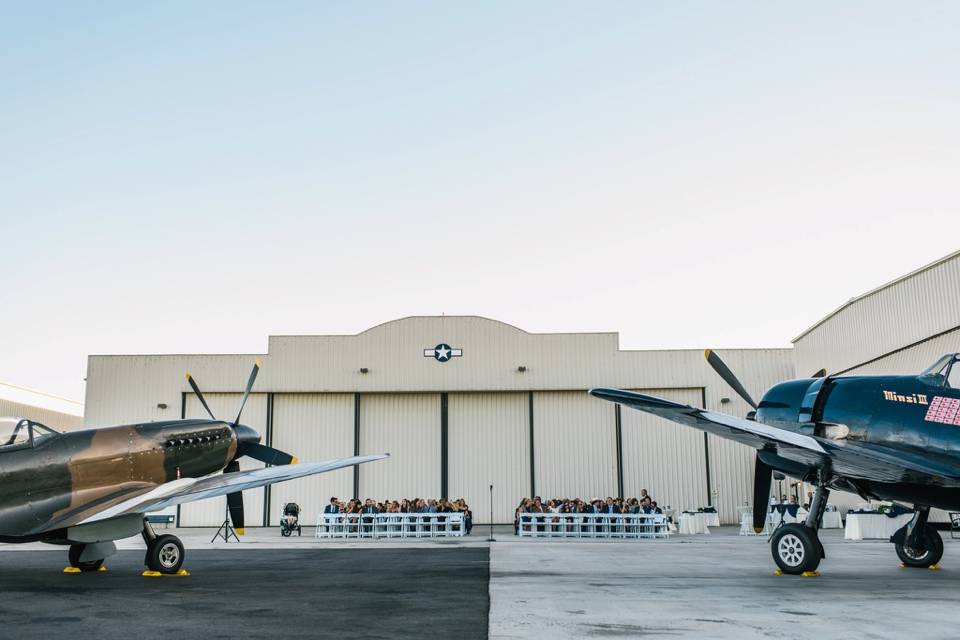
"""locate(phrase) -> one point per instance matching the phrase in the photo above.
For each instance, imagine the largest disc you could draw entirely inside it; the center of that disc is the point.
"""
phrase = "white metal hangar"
(60, 413)
(461, 403)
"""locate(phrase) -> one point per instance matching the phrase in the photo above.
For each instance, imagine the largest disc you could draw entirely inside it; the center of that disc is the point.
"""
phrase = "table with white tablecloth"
(873, 526)
(831, 520)
(695, 523)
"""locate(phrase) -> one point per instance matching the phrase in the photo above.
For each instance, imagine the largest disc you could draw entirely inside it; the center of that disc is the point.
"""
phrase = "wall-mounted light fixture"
(364, 370)
(521, 368)
(161, 405)
(724, 400)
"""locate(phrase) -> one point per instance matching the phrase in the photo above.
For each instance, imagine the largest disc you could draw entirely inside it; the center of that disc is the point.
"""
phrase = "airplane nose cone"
(246, 435)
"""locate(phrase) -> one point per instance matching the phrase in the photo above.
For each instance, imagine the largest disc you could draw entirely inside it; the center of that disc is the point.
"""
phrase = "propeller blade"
(267, 455)
(246, 392)
(820, 374)
(235, 501)
(724, 372)
(762, 477)
(196, 390)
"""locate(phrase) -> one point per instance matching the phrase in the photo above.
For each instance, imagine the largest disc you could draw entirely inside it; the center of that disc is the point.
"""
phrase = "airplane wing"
(849, 459)
(193, 489)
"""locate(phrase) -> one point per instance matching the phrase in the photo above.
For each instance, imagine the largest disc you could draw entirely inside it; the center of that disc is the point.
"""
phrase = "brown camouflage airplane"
(89, 488)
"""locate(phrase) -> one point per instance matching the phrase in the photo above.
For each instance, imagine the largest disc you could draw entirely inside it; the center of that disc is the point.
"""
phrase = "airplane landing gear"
(76, 550)
(796, 547)
(918, 544)
(164, 553)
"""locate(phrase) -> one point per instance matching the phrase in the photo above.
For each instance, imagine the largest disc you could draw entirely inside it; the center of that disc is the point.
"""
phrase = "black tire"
(795, 548)
(165, 554)
(285, 532)
(933, 550)
(299, 531)
(74, 557)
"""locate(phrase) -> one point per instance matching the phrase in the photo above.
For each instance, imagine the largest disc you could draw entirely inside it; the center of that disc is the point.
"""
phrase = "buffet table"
(873, 526)
(697, 523)
(831, 520)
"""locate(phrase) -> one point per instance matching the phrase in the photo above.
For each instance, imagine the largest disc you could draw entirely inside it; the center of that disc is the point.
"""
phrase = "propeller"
(724, 372)
(762, 472)
(248, 444)
(762, 478)
(235, 500)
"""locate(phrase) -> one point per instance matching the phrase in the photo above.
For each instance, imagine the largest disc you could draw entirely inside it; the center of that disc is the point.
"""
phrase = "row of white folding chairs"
(389, 525)
(593, 525)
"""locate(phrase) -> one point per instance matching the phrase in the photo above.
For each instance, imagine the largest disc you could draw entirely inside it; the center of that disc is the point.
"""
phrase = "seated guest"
(646, 505)
(369, 508)
(461, 506)
(333, 507)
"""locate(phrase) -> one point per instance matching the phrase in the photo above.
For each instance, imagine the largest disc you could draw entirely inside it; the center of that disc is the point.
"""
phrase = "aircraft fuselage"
(56, 480)
(902, 415)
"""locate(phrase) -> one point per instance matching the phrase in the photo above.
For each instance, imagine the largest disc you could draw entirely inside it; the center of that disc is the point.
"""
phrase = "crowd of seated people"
(407, 505)
(643, 504)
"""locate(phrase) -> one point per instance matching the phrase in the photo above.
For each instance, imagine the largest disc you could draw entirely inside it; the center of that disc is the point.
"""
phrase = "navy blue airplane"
(884, 437)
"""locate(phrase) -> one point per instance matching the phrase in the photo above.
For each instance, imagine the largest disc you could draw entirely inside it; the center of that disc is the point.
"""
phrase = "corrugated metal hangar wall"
(510, 410)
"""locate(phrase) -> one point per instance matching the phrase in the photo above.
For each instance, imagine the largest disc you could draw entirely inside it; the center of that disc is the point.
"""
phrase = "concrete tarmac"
(718, 586)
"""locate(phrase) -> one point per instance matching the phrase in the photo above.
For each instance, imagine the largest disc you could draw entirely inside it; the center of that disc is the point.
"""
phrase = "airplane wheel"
(933, 550)
(795, 548)
(165, 554)
(74, 556)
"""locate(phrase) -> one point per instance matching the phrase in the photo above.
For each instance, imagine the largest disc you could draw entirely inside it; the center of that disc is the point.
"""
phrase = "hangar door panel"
(731, 477)
(211, 512)
(407, 426)
(489, 444)
(313, 427)
(575, 452)
(663, 457)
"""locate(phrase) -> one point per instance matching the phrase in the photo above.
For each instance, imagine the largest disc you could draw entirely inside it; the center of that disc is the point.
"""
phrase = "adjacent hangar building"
(466, 402)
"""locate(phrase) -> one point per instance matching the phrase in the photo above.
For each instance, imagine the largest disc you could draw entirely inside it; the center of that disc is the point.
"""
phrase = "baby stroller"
(290, 519)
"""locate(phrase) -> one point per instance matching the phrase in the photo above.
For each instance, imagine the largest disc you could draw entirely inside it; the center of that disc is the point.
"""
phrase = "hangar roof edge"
(875, 291)
(452, 317)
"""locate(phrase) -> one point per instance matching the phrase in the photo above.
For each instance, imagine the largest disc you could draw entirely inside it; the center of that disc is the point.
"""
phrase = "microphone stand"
(491, 538)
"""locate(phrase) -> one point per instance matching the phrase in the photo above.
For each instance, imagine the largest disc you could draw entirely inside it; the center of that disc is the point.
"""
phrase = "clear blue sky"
(191, 177)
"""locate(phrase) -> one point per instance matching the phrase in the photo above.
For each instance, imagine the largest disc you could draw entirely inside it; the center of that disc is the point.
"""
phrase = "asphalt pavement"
(251, 593)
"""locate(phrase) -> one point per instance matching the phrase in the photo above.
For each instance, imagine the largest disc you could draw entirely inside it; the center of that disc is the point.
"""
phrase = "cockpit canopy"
(945, 372)
(18, 433)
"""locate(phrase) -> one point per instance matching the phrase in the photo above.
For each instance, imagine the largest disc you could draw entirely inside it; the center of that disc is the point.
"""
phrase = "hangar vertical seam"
(356, 444)
(533, 468)
(444, 445)
(266, 489)
(619, 431)
(706, 448)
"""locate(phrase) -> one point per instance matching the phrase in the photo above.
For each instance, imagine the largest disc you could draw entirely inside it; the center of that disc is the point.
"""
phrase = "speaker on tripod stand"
(491, 538)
